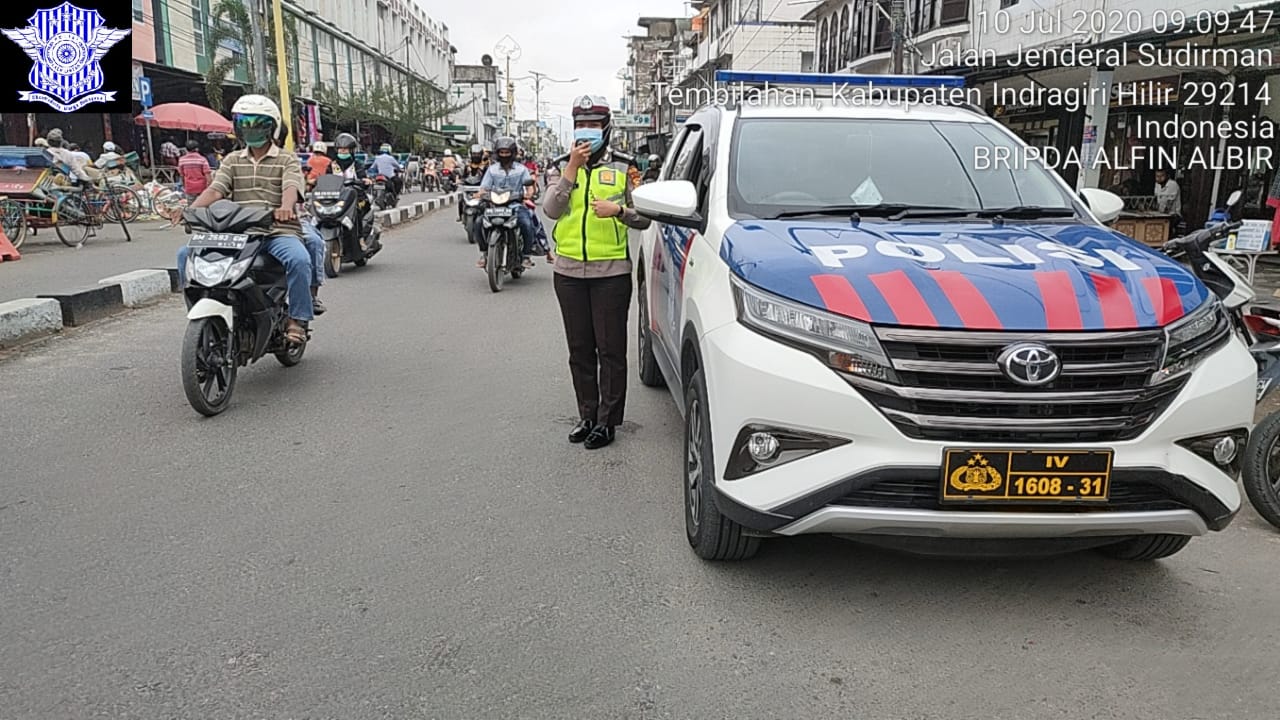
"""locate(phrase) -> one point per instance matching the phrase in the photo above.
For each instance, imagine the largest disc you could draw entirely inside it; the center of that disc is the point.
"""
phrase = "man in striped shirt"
(265, 175)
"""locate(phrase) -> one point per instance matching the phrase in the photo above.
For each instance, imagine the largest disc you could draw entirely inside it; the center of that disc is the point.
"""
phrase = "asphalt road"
(49, 266)
(397, 528)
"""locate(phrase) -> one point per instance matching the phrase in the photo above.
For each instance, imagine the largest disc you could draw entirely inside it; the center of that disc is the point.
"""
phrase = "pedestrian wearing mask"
(591, 203)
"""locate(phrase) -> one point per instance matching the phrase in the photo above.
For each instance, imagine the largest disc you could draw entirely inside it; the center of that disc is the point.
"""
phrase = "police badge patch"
(66, 43)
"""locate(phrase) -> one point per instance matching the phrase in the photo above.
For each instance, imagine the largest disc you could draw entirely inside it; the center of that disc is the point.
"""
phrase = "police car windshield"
(782, 167)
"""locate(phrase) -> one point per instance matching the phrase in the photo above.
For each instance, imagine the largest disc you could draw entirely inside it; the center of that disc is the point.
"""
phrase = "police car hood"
(971, 275)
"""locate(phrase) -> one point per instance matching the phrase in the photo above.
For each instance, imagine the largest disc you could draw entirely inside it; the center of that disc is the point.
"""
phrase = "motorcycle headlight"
(842, 343)
(473, 202)
(329, 210)
(1189, 340)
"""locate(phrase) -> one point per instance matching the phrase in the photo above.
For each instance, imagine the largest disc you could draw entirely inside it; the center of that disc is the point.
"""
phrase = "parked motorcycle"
(237, 302)
(500, 239)
(1259, 327)
(349, 234)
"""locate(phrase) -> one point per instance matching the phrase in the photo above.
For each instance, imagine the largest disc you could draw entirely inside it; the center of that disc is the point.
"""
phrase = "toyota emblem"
(1029, 363)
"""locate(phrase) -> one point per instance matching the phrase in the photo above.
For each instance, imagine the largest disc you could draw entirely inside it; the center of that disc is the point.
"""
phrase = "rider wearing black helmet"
(506, 175)
(344, 148)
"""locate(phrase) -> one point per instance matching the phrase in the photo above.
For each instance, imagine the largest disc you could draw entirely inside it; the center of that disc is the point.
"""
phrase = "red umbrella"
(186, 116)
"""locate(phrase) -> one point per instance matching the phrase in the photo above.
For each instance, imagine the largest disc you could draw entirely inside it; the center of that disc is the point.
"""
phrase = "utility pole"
(282, 71)
(899, 9)
(259, 47)
(538, 79)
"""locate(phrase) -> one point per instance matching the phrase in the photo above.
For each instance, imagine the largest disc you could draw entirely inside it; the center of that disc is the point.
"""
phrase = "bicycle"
(79, 210)
(13, 219)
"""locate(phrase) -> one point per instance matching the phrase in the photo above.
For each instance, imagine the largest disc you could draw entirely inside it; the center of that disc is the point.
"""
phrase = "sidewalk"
(49, 266)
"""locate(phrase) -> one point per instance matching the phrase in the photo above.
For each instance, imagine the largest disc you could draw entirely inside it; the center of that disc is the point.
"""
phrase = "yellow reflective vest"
(582, 236)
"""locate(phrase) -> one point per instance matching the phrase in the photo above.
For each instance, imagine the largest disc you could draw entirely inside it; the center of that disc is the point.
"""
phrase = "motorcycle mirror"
(1234, 198)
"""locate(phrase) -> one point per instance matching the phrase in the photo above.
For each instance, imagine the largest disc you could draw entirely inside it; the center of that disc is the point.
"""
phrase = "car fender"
(208, 307)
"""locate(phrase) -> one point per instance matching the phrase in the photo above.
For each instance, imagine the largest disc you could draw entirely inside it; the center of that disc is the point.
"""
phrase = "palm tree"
(230, 24)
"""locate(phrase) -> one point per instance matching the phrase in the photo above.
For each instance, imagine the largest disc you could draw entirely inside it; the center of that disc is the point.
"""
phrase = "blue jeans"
(295, 258)
(524, 216)
(315, 244)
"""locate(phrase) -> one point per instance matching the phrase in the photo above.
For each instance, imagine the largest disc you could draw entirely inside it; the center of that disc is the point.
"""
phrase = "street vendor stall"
(180, 116)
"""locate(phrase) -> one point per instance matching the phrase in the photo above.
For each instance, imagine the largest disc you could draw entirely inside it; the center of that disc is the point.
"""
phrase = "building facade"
(345, 50)
(1015, 52)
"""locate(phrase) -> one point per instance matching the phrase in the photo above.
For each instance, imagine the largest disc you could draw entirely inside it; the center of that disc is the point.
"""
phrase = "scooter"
(1259, 327)
(349, 234)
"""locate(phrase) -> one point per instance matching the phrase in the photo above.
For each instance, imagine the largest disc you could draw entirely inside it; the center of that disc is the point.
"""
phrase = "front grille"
(949, 387)
(921, 493)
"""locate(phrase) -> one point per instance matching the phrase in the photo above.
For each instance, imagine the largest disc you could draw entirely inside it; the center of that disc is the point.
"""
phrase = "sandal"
(480, 263)
(295, 334)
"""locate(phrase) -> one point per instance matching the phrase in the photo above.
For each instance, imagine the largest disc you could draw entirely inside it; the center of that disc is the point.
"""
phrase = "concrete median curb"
(141, 286)
(422, 208)
(27, 319)
(86, 304)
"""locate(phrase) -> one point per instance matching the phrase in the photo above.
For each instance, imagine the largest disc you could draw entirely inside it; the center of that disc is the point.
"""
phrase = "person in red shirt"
(195, 171)
(318, 164)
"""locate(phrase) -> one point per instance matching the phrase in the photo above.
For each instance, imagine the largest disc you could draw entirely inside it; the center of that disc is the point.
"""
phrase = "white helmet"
(259, 105)
(448, 153)
(110, 147)
(318, 148)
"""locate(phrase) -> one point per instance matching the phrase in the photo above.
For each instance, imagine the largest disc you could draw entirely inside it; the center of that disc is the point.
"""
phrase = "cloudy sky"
(564, 38)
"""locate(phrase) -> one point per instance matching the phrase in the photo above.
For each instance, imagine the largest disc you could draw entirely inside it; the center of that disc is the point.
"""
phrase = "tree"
(402, 109)
(229, 24)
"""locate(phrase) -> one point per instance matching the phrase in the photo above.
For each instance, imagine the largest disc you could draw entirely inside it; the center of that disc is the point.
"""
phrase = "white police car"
(869, 337)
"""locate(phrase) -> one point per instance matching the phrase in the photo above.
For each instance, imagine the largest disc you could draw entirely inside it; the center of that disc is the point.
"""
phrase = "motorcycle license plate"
(221, 241)
(498, 212)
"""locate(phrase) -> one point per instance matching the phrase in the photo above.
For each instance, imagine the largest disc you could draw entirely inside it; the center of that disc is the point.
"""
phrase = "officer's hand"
(606, 208)
(580, 155)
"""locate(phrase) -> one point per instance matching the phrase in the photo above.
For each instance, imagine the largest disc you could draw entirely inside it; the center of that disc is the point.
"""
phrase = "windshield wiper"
(1026, 211)
(892, 211)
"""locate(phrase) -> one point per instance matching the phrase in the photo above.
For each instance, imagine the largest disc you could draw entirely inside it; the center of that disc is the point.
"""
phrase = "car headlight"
(844, 344)
(1189, 340)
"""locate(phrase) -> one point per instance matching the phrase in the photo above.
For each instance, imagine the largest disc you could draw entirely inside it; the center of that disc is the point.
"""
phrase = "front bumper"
(882, 482)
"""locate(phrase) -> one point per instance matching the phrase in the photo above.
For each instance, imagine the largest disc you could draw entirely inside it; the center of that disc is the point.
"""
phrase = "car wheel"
(711, 535)
(650, 373)
(1146, 547)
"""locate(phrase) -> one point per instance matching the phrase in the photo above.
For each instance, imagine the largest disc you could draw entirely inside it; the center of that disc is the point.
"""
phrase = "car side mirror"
(1106, 206)
(674, 202)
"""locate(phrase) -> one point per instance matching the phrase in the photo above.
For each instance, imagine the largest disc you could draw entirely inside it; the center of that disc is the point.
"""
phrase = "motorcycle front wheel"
(333, 258)
(496, 262)
(208, 365)
(1261, 472)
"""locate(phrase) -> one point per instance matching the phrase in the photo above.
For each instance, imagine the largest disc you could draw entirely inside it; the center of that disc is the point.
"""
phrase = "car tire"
(1262, 491)
(650, 373)
(1145, 548)
(711, 535)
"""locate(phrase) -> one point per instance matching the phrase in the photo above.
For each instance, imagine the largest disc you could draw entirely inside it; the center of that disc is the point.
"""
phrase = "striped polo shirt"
(244, 180)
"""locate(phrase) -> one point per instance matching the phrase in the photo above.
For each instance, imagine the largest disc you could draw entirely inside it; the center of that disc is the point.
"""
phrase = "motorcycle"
(237, 302)
(500, 239)
(471, 210)
(1259, 328)
(384, 193)
(349, 235)
(448, 182)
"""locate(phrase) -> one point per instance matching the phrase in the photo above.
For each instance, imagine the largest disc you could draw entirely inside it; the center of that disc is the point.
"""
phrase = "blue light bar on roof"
(830, 80)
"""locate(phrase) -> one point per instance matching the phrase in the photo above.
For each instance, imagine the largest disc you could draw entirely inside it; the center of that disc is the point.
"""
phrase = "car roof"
(825, 108)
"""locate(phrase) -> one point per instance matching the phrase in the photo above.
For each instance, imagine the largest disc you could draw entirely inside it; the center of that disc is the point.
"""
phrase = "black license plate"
(991, 475)
(221, 241)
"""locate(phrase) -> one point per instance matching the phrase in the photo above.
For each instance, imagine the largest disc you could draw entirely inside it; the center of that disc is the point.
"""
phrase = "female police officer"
(593, 269)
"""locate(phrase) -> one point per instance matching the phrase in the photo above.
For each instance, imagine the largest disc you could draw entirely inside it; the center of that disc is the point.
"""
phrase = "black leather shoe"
(581, 431)
(600, 436)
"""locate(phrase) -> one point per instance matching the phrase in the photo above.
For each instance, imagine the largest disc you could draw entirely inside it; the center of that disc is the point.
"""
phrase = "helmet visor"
(254, 130)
